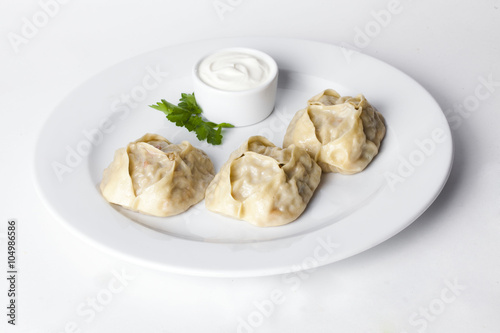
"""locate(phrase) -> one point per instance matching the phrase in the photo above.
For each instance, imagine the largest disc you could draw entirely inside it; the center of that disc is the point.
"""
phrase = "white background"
(441, 274)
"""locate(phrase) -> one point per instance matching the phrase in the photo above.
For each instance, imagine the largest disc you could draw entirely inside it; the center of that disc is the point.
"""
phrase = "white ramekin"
(240, 108)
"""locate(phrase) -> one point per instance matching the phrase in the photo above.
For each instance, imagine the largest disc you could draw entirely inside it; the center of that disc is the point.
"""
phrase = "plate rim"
(227, 271)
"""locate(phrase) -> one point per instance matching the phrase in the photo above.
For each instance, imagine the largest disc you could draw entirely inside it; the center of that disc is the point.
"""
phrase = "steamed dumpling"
(153, 176)
(264, 184)
(342, 134)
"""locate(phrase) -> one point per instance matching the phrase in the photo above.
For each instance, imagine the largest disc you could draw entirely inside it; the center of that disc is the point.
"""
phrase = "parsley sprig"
(188, 114)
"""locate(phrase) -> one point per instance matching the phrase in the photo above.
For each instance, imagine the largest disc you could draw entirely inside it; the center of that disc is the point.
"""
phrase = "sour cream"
(235, 70)
(236, 85)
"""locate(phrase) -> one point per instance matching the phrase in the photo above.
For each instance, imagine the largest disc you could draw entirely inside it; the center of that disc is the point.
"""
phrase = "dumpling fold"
(342, 134)
(264, 184)
(153, 176)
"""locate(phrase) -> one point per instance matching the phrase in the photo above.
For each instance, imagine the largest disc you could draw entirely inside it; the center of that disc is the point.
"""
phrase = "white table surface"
(441, 274)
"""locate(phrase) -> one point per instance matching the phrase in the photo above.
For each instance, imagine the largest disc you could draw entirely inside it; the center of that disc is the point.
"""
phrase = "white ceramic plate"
(347, 214)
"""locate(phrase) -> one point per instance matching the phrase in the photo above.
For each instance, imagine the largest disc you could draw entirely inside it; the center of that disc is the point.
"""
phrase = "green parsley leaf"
(216, 137)
(193, 123)
(188, 114)
(188, 102)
